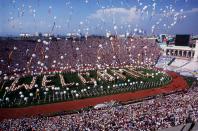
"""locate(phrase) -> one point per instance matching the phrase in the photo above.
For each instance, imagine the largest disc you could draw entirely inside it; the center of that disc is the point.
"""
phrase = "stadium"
(129, 77)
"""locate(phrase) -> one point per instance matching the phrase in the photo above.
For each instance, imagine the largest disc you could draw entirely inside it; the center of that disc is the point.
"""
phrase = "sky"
(98, 17)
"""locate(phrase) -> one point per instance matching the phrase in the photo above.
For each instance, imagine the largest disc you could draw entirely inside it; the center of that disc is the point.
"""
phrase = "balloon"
(49, 10)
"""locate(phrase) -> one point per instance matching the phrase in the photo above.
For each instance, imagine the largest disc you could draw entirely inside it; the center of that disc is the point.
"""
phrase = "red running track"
(178, 83)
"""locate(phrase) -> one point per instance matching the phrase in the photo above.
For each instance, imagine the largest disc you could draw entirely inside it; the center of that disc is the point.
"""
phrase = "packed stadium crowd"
(35, 56)
(161, 112)
(47, 54)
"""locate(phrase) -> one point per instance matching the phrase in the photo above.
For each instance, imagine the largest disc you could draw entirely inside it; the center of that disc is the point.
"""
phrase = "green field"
(78, 90)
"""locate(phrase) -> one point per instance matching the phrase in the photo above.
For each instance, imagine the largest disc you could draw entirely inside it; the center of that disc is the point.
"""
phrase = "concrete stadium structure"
(181, 59)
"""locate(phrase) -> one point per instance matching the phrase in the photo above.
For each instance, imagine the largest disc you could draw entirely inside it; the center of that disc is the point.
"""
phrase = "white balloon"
(15, 48)
(7, 99)
(31, 94)
(33, 55)
(46, 56)
(39, 40)
(5, 77)
(77, 95)
(115, 27)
